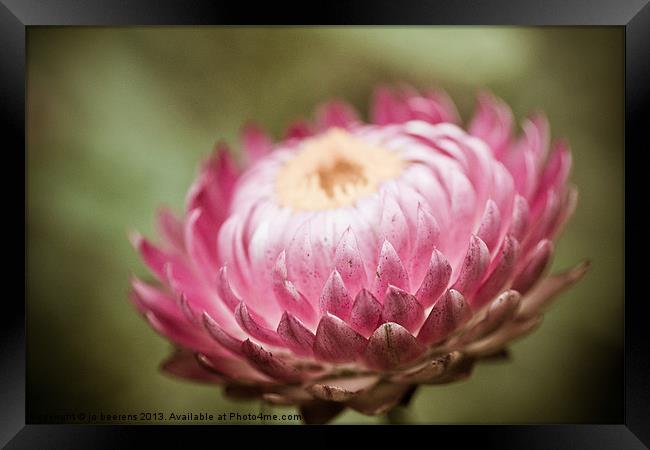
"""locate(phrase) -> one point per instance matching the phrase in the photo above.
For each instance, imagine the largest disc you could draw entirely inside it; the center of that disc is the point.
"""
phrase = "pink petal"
(234, 369)
(402, 308)
(386, 108)
(474, 266)
(149, 298)
(171, 228)
(268, 364)
(498, 312)
(286, 293)
(433, 107)
(154, 258)
(389, 271)
(187, 310)
(500, 272)
(232, 253)
(557, 168)
(183, 364)
(178, 332)
(336, 113)
(394, 226)
(218, 334)
(299, 129)
(200, 243)
(490, 227)
(349, 263)
(492, 122)
(337, 342)
(303, 264)
(536, 135)
(435, 280)
(335, 298)
(295, 335)
(542, 294)
(534, 268)
(366, 313)
(213, 188)
(523, 166)
(520, 213)
(255, 141)
(255, 329)
(426, 237)
(391, 345)
(568, 208)
(225, 291)
(448, 314)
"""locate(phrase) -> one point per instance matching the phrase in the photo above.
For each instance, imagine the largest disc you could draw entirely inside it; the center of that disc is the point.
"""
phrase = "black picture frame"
(633, 15)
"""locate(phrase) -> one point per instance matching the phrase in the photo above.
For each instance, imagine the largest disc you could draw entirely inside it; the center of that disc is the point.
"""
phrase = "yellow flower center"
(334, 169)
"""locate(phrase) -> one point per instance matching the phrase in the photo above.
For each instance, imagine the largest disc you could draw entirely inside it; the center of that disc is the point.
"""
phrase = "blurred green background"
(119, 118)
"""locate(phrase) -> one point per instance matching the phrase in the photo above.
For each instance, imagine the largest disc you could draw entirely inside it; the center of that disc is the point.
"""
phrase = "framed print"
(376, 215)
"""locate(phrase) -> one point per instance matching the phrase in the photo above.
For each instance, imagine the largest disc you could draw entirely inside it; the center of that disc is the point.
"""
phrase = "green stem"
(399, 415)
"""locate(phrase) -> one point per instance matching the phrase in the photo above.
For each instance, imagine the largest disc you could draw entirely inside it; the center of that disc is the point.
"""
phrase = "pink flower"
(350, 262)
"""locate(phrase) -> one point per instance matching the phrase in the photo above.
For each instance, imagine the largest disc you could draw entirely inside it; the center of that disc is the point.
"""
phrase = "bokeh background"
(119, 118)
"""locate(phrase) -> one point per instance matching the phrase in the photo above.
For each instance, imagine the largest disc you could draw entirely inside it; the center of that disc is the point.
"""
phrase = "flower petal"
(474, 266)
(389, 271)
(342, 389)
(218, 334)
(402, 308)
(268, 364)
(492, 122)
(391, 345)
(520, 213)
(542, 294)
(213, 188)
(225, 291)
(366, 313)
(386, 108)
(435, 280)
(449, 313)
(393, 226)
(183, 364)
(295, 335)
(337, 342)
(349, 263)
(254, 329)
(234, 369)
(298, 129)
(534, 268)
(255, 141)
(490, 226)
(500, 272)
(426, 237)
(334, 298)
(431, 371)
(303, 265)
(287, 295)
(499, 311)
(336, 113)
(171, 229)
(200, 243)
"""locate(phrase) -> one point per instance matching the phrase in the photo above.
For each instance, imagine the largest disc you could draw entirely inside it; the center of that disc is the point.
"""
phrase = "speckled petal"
(336, 341)
(402, 308)
(295, 335)
(366, 313)
(389, 271)
(391, 345)
(447, 315)
(435, 280)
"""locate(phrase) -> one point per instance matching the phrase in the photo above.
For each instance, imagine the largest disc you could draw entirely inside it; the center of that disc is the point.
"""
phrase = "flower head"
(351, 261)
